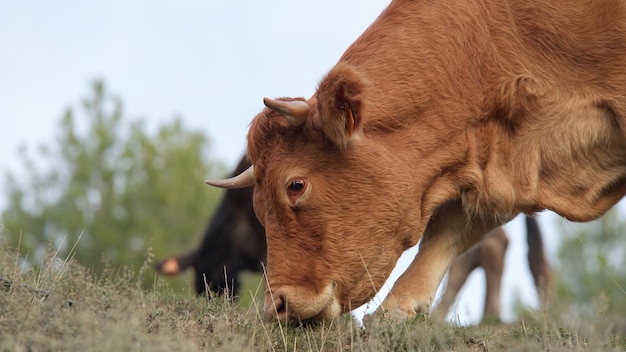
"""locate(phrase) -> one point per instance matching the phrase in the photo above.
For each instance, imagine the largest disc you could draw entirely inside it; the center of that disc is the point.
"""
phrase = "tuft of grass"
(62, 306)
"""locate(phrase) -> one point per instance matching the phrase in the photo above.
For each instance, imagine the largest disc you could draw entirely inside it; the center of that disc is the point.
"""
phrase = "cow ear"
(340, 106)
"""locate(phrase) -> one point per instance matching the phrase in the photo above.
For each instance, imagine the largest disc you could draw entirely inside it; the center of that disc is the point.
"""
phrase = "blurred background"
(112, 113)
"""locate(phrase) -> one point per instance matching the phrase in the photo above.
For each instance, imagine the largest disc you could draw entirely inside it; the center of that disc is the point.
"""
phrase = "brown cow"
(234, 241)
(442, 121)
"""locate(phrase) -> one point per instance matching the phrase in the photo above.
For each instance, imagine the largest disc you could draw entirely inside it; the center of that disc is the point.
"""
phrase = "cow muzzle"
(292, 303)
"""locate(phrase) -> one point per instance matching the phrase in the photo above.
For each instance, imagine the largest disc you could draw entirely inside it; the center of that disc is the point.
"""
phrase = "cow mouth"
(293, 303)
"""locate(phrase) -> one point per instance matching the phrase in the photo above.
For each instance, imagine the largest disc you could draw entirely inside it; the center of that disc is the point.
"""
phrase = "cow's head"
(331, 197)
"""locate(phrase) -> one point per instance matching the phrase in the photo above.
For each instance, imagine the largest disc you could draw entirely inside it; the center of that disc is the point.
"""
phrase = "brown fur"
(467, 113)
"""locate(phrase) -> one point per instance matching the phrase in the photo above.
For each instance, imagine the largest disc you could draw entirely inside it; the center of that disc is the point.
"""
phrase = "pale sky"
(209, 62)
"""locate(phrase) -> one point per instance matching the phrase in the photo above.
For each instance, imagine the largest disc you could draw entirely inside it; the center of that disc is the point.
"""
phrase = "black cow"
(234, 241)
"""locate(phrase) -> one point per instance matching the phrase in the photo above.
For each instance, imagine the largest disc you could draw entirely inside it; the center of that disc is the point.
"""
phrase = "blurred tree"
(112, 188)
(592, 266)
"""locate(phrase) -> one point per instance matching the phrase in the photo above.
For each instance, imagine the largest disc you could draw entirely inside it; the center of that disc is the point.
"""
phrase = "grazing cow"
(233, 241)
(223, 251)
(490, 256)
(442, 121)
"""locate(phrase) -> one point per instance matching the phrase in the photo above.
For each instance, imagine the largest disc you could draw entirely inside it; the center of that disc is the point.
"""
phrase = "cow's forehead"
(272, 140)
(280, 164)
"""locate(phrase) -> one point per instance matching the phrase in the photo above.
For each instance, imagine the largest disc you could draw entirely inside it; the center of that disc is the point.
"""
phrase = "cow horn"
(243, 180)
(295, 111)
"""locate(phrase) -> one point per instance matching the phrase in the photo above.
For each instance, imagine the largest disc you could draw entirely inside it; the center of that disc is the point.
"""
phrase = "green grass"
(62, 306)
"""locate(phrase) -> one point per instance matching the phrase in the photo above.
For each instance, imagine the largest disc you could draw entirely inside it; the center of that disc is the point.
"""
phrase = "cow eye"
(295, 188)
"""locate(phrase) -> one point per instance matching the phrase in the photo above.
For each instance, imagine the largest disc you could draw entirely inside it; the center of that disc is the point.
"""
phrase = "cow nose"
(297, 303)
(277, 307)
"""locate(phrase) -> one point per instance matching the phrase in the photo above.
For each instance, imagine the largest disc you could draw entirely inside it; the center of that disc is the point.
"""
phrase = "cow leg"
(449, 233)
(539, 267)
(492, 252)
(457, 275)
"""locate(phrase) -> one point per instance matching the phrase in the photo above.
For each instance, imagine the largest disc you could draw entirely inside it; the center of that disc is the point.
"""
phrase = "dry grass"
(61, 306)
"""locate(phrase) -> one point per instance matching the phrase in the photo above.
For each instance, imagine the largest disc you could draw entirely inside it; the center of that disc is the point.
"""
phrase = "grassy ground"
(61, 306)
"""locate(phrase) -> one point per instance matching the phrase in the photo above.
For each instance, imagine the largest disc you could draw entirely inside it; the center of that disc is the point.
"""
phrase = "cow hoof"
(383, 318)
(392, 316)
(399, 314)
(402, 310)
